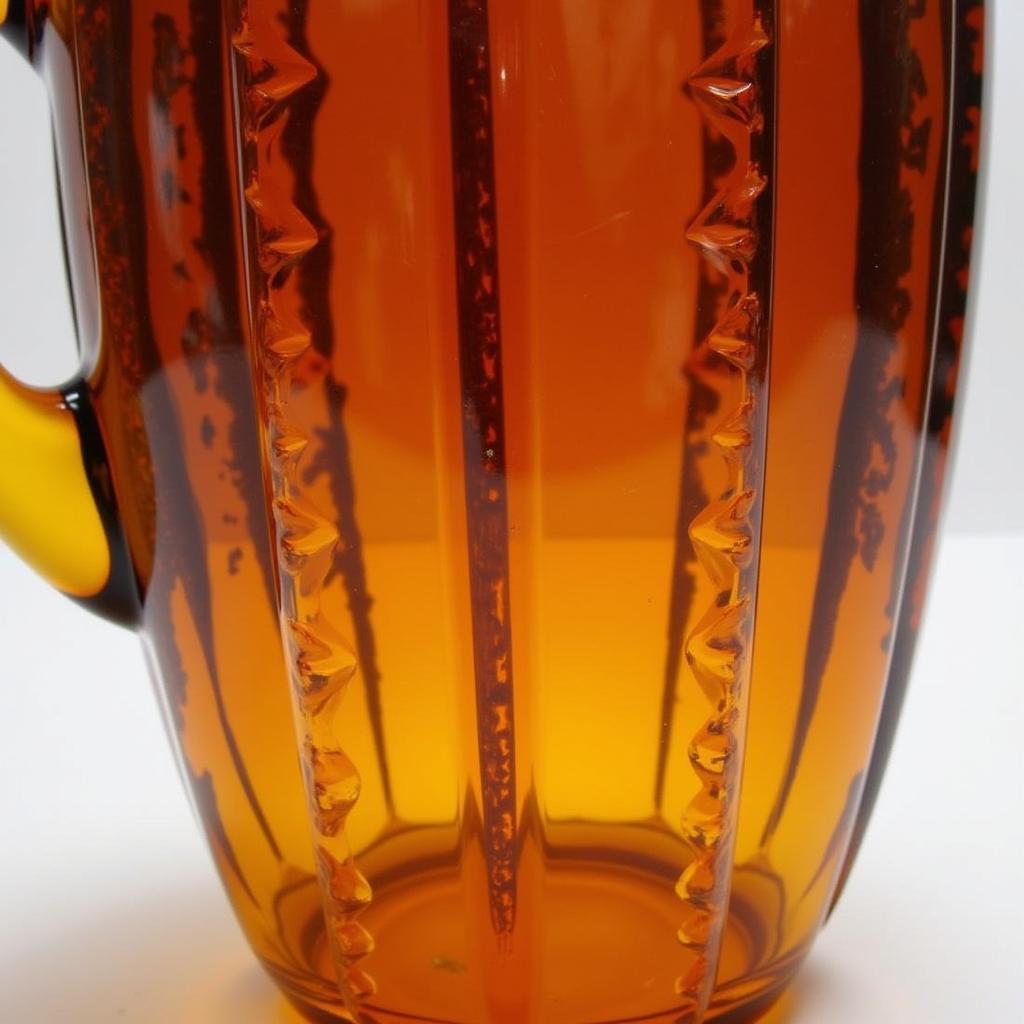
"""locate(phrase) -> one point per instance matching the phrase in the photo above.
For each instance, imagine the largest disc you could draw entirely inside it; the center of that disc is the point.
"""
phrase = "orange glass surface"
(527, 420)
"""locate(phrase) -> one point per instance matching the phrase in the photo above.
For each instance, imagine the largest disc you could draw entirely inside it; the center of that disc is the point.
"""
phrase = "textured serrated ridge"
(321, 663)
(730, 93)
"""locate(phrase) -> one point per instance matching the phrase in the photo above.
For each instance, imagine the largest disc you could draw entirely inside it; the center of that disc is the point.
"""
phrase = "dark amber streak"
(749, 1011)
(314, 285)
(201, 787)
(183, 524)
(899, 576)
(837, 840)
(763, 155)
(954, 273)
(702, 403)
(280, 897)
(119, 599)
(120, 374)
(183, 547)
(216, 244)
(394, 1015)
(882, 304)
(483, 431)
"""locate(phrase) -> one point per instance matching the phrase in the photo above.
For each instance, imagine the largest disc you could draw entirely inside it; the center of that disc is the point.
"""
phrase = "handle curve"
(57, 507)
(47, 512)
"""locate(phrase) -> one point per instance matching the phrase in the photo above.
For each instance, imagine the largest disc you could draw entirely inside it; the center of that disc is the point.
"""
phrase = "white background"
(109, 909)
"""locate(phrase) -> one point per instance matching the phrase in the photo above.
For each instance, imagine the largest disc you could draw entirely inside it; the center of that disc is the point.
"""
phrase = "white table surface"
(110, 910)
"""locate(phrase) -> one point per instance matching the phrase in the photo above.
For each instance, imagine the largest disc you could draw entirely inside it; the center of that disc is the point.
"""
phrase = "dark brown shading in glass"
(119, 598)
(332, 457)
(483, 431)
(116, 382)
(115, 179)
(702, 403)
(838, 839)
(865, 453)
(222, 316)
(206, 800)
(967, 71)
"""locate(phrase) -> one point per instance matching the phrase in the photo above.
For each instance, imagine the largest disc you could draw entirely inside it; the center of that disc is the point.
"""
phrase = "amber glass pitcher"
(517, 431)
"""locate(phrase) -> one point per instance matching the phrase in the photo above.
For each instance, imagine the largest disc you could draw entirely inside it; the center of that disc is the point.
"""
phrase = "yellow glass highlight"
(47, 512)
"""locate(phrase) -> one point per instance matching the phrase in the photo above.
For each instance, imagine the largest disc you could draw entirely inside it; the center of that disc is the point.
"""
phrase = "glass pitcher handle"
(57, 508)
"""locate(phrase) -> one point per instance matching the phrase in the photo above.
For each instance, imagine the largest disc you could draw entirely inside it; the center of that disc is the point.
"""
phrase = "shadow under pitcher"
(517, 430)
